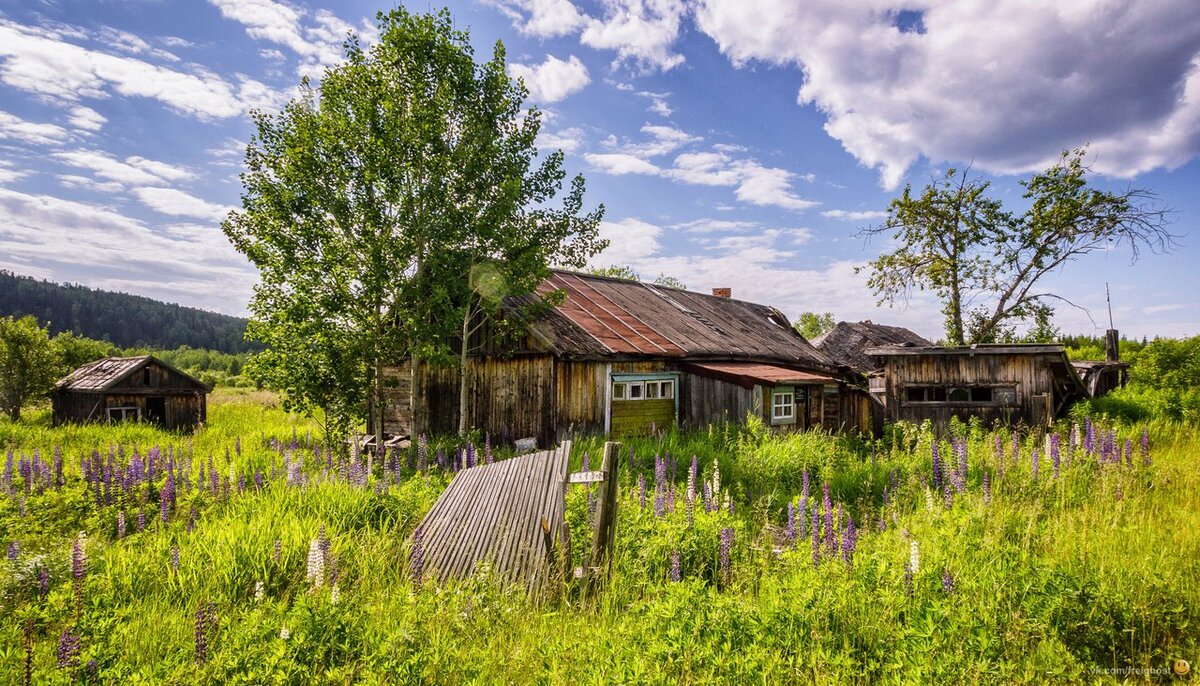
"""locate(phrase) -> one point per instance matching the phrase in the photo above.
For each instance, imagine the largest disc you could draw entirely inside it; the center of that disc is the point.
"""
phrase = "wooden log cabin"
(1007, 384)
(620, 357)
(131, 388)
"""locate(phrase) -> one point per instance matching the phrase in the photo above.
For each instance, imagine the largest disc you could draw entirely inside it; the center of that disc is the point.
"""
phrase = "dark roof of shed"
(102, 375)
(1060, 365)
(847, 342)
(605, 317)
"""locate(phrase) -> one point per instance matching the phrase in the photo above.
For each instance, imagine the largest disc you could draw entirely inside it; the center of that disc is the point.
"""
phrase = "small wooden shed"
(128, 389)
(1030, 384)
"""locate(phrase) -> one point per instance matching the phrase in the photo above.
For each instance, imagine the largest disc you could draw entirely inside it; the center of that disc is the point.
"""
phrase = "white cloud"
(553, 79)
(8, 174)
(567, 140)
(630, 241)
(42, 62)
(640, 31)
(14, 128)
(754, 183)
(1006, 84)
(619, 163)
(192, 264)
(87, 118)
(89, 183)
(176, 203)
(542, 18)
(853, 215)
(718, 226)
(133, 171)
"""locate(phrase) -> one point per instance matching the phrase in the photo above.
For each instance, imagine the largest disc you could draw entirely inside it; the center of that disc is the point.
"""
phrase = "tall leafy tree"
(987, 264)
(370, 198)
(813, 324)
(29, 363)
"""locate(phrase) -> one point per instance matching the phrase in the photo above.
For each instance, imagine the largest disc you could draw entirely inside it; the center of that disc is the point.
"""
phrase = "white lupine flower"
(334, 595)
(315, 574)
(914, 558)
(716, 478)
(258, 590)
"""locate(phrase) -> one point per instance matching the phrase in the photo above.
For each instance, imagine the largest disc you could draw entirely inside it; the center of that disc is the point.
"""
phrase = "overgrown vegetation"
(247, 555)
(1164, 381)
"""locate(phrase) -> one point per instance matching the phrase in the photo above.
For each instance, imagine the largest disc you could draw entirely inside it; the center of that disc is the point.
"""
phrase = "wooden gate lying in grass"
(511, 515)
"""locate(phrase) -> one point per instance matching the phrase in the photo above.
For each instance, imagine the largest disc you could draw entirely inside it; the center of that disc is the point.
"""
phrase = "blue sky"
(734, 143)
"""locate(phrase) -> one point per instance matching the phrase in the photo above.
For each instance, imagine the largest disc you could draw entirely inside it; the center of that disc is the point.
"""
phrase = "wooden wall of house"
(704, 400)
(181, 411)
(1031, 375)
(580, 395)
(155, 377)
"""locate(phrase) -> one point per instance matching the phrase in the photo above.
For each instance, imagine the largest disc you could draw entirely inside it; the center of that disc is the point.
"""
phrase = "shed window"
(655, 389)
(783, 406)
(120, 414)
(618, 391)
(660, 390)
(145, 376)
(980, 394)
(959, 395)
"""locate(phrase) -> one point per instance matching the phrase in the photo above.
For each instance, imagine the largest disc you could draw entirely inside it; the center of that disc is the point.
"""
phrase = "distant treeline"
(121, 319)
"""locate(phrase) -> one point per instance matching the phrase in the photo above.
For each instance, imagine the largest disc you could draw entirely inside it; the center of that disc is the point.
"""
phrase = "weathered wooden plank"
(591, 477)
(605, 533)
(482, 516)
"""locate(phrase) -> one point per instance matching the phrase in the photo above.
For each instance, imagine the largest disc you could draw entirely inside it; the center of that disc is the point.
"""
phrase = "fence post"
(606, 516)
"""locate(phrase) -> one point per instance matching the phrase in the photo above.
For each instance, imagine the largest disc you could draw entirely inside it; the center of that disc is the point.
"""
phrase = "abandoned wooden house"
(1100, 377)
(1031, 384)
(621, 357)
(846, 343)
(131, 388)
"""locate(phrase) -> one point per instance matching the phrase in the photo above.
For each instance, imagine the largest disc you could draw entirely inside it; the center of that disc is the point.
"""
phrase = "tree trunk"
(462, 374)
(378, 416)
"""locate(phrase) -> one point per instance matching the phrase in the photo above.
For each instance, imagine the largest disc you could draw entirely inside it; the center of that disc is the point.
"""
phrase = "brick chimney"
(723, 292)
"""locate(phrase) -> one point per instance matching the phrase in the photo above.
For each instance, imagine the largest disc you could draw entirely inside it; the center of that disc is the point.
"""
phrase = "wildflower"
(166, 498)
(237, 446)
(206, 619)
(191, 523)
(1089, 440)
(708, 495)
(693, 474)
(642, 490)
(470, 455)
(908, 579)
(1145, 445)
(284, 633)
(423, 452)
(323, 543)
(948, 496)
(259, 591)
(417, 559)
(334, 595)
(828, 506)
(937, 467)
(947, 582)
(816, 535)
(141, 520)
(43, 581)
(790, 531)
(1034, 457)
(729, 503)
(849, 541)
(1129, 452)
(960, 480)
(914, 557)
(121, 524)
(68, 650)
(716, 477)
(987, 489)
(726, 550)
(79, 566)
(802, 517)
(314, 572)
(804, 484)
(277, 553)
(671, 499)
(175, 558)
(1055, 457)
(487, 448)
(14, 551)
(675, 566)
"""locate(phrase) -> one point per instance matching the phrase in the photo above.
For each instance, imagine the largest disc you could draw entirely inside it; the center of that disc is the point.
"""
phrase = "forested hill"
(124, 320)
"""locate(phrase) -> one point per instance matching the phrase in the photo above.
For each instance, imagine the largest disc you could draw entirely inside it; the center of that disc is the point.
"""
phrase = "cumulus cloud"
(753, 183)
(567, 140)
(43, 62)
(619, 163)
(640, 31)
(1006, 84)
(132, 171)
(15, 128)
(853, 215)
(542, 18)
(87, 119)
(553, 79)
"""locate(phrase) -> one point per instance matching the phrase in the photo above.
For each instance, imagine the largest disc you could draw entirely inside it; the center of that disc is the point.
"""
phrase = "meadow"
(247, 553)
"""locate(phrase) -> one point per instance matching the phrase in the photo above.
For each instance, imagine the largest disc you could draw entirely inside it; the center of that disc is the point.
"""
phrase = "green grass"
(1056, 579)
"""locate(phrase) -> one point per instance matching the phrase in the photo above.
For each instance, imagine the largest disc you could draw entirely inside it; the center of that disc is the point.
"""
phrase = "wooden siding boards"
(1040, 374)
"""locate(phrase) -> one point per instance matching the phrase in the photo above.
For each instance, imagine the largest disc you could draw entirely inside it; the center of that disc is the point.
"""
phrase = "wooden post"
(606, 513)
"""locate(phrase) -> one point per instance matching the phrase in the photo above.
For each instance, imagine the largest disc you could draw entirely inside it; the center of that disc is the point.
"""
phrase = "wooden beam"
(586, 477)
(606, 512)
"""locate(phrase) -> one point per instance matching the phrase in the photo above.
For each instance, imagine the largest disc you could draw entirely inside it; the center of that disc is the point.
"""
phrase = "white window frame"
(783, 398)
(639, 387)
(619, 391)
(125, 412)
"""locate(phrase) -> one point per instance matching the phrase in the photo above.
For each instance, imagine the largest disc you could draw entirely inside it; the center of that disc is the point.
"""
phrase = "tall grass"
(1047, 578)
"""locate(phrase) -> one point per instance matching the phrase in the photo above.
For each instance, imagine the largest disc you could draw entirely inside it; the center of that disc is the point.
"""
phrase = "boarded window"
(981, 395)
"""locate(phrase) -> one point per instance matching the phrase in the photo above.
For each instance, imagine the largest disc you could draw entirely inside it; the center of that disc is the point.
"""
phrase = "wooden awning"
(750, 374)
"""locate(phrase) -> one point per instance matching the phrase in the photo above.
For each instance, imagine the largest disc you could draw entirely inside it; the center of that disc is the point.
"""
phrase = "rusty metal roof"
(751, 373)
(847, 342)
(104, 374)
(609, 317)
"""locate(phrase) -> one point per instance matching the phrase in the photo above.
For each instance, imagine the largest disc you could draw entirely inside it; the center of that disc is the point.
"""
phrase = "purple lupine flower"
(804, 484)
(671, 499)
(79, 569)
(470, 454)
(68, 650)
(1034, 457)
(937, 467)
(14, 551)
(193, 514)
(277, 551)
(708, 497)
(849, 541)
(987, 489)
(886, 496)
(1016, 447)
(121, 524)
(790, 532)
(693, 477)
(948, 496)
(827, 504)
(1145, 445)
(960, 482)
(417, 557)
(726, 552)
(660, 502)
(487, 448)
(908, 579)
(43, 582)
(141, 520)
(166, 498)
(1129, 452)
(660, 472)
(58, 467)
(422, 452)
(1055, 455)
(21, 506)
(642, 491)
(947, 581)
(258, 480)
(675, 566)
(206, 619)
(175, 558)
(816, 535)
(324, 545)
(1089, 439)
